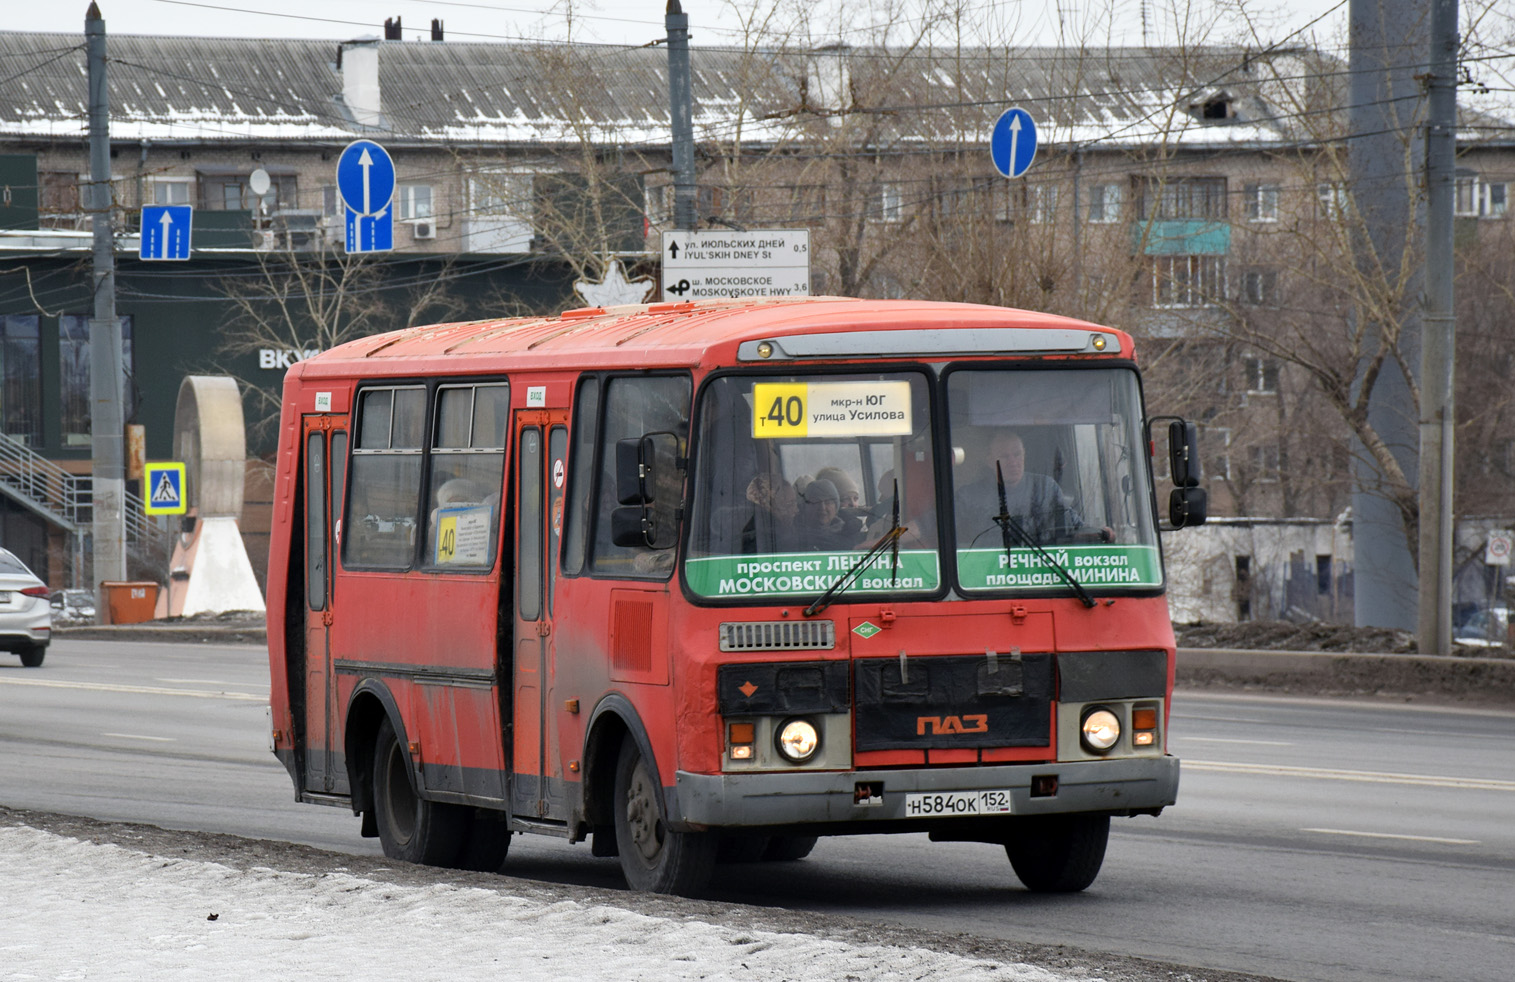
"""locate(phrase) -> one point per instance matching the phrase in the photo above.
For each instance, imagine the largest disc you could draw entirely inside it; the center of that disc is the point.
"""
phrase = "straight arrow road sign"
(1012, 145)
(366, 184)
(165, 232)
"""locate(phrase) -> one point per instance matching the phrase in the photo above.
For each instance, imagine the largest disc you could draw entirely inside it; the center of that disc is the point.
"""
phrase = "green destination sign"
(1092, 566)
(806, 574)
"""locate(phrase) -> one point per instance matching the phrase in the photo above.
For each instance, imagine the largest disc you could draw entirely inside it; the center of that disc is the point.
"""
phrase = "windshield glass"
(797, 478)
(1068, 448)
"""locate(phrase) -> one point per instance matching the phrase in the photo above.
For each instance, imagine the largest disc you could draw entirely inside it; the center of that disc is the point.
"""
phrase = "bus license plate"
(957, 803)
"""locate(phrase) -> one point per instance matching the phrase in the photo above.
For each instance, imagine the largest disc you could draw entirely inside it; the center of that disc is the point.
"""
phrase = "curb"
(1486, 681)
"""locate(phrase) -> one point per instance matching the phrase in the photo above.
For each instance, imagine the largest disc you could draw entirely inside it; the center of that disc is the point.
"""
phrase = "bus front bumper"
(1124, 785)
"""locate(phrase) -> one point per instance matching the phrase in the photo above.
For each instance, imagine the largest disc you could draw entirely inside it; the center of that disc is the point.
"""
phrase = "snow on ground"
(80, 910)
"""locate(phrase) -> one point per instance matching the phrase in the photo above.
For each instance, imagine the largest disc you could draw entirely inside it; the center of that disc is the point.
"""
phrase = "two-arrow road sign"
(165, 232)
(366, 183)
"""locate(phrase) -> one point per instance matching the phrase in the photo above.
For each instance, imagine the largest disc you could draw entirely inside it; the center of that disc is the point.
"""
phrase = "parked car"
(26, 614)
(1484, 627)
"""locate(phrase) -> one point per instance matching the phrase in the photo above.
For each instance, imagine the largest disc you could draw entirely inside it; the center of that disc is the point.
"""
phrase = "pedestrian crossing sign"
(163, 488)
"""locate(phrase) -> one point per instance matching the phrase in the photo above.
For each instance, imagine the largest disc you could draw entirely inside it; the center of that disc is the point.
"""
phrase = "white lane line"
(1391, 835)
(146, 690)
(1371, 777)
(1254, 743)
(244, 685)
(139, 736)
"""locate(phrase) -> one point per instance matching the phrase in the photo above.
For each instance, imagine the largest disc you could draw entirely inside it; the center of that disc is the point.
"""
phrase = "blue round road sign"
(365, 177)
(1013, 144)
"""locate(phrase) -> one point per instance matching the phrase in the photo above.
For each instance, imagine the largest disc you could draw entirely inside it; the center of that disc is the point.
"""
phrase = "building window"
(1472, 197)
(1215, 455)
(501, 213)
(1262, 376)
(413, 202)
(1331, 201)
(886, 203)
(1265, 463)
(74, 376)
(657, 202)
(807, 202)
(1041, 203)
(1183, 199)
(170, 191)
(1260, 202)
(20, 376)
(229, 192)
(60, 200)
(1259, 287)
(1187, 281)
(1105, 203)
(331, 201)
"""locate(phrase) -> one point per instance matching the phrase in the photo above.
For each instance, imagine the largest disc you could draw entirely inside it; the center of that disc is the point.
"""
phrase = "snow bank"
(78, 910)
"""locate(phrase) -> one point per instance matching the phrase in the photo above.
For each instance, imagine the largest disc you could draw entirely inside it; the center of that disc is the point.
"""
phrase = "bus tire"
(654, 858)
(488, 842)
(1058, 853)
(411, 828)
(788, 848)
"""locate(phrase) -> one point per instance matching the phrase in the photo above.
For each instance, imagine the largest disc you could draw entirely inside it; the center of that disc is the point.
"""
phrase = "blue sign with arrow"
(366, 184)
(165, 232)
(1013, 144)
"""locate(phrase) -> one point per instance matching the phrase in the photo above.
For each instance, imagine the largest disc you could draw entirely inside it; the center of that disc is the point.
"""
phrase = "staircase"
(65, 501)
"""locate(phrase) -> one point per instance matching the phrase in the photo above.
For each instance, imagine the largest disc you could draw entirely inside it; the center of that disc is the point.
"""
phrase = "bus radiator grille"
(777, 635)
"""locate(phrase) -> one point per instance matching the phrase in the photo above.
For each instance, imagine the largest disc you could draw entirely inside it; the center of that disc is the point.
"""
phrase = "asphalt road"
(1313, 839)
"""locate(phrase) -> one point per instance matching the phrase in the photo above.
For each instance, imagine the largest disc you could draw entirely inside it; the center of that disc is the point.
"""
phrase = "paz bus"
(707, 581)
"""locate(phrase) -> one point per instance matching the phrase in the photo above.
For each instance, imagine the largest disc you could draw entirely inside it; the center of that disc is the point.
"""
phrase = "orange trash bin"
(130, 602)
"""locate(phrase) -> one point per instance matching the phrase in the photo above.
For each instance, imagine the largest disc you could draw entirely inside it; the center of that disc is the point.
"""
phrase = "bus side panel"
(432, 639)
(280, 552)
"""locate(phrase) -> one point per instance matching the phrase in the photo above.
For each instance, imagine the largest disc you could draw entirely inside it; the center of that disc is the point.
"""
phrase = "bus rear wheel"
(1058, 853)
(411, 828)
(655, 858)
(788, 848)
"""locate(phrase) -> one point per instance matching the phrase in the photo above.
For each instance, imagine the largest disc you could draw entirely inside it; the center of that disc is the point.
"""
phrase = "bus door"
(325, 468)
(540, 476)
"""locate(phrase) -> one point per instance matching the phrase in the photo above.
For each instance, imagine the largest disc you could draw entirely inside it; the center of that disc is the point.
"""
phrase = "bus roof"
(688, 334)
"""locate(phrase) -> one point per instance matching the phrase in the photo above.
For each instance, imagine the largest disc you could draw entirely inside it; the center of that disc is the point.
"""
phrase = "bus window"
(801, 472)
(634, 407)
(586, 413)
(467, 468)
(386, 478)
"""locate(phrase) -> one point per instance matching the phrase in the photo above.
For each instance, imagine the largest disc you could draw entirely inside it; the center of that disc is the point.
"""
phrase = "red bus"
(706, 581)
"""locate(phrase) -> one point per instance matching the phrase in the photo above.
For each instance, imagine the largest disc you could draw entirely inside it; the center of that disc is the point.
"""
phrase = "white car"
(26, 615)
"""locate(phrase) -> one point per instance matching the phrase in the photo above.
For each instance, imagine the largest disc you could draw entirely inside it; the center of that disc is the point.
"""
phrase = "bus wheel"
(488, 842)
(1058, 853)
(411, 828)
(655, 858)
(787, 848)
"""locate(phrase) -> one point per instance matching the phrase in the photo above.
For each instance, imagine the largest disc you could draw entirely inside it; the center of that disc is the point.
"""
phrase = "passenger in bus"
(849, 500)
(821, 527)
(1035, 502)
(772, 525)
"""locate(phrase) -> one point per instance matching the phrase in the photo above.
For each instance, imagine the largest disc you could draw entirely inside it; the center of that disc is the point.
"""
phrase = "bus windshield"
(1047, 471)
(799, 475)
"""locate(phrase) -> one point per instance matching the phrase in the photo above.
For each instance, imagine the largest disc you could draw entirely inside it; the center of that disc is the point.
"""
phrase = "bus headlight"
(1100, 731)
(798, 740)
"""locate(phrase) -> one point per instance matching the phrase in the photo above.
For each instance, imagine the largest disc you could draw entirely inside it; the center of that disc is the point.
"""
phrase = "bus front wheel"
(655, 858)
(411, 828)
(1058, 853)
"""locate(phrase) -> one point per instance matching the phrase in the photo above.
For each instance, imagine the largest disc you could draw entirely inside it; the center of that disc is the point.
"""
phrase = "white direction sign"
(1497, 552)
(717, 263)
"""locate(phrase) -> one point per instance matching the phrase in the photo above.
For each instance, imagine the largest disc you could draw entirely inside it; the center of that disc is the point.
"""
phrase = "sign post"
(366, 184)
(724, 263)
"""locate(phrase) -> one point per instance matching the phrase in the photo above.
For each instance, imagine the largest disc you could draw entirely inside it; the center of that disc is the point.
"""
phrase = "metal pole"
(681, 106)
(1438, 356)
(108, 484)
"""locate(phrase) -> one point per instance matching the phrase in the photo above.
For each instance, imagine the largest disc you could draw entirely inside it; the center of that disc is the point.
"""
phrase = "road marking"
(1371, 777)
(1255, 743)
(139, 736)
(245, 685)
(144, 690)
(1391, 835)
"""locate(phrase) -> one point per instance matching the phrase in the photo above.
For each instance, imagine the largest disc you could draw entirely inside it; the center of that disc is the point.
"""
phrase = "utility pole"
(108, 482)
(1438, 356)
(681, 105)
(1383, 150)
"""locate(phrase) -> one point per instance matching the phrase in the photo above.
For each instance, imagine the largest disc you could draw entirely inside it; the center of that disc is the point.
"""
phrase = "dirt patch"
(1287, 636)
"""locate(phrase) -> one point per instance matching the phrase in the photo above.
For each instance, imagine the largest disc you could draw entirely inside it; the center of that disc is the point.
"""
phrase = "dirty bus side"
(706, 582)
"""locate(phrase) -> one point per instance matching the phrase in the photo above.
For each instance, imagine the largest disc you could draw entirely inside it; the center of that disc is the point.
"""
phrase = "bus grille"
(777, 635)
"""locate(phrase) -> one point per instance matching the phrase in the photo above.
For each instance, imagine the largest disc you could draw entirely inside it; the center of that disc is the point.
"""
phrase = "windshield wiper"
(890, 540)
(1008, 524)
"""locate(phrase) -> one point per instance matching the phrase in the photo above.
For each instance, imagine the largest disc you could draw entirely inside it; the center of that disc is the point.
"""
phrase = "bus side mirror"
(631, 472)
(1187, 506)
(627, 529)
(1183, 453)
(648, 483)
